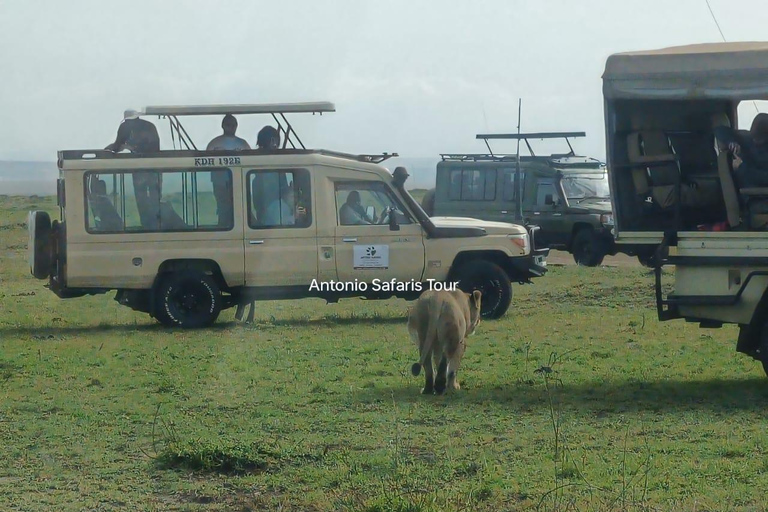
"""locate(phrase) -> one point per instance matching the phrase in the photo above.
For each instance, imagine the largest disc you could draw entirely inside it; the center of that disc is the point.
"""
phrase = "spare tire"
(39, 246)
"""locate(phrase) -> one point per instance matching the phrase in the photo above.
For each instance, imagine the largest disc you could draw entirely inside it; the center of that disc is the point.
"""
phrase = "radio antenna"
(518, 180)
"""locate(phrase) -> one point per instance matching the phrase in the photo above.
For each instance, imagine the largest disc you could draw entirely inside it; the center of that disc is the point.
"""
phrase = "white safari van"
(182, 234)
(673, 185)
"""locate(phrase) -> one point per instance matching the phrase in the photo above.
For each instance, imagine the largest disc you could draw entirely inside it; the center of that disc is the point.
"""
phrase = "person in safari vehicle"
(750, 151)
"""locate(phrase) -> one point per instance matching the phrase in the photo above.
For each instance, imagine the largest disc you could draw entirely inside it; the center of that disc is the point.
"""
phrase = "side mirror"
(393, 225)
(549, 200)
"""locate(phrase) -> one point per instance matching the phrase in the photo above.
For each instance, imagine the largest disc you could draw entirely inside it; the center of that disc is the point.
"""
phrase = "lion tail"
(425, 350)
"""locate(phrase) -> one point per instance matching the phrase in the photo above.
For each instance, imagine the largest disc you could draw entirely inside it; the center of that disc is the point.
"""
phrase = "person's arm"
(123, 132)
(350, 217)
(725, 135)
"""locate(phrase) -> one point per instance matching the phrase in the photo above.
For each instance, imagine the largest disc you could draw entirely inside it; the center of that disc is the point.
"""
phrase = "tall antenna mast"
(518, 180)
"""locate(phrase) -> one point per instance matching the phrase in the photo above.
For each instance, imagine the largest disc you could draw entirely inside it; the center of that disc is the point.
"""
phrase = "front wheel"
(188, 299)
(587, 249)
(492, 282)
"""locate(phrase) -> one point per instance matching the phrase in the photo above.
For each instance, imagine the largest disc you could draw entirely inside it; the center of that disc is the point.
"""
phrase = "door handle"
(504, 211)
(255, 242)
(349, 239)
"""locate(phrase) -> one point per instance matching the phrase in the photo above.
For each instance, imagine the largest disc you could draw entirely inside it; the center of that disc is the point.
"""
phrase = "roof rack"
(525, 136)
(102, 154)
(477, 157)
(259, 108)
(288, 134)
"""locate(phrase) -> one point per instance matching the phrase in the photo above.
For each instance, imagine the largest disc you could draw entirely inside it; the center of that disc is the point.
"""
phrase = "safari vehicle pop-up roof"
(182, 141)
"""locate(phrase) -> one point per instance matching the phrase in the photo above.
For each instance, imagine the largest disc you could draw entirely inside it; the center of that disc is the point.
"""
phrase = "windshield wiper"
(592, 197)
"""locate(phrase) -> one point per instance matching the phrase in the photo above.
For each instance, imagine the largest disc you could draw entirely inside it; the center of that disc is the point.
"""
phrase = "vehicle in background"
(182, 234)
(672, 182)
(566, 195)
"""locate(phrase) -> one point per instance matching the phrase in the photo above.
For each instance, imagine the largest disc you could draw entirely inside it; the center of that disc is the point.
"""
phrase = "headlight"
(606, 219)
(521, 241)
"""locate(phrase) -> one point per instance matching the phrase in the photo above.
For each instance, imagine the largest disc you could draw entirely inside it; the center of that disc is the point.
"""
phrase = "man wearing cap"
(140, 136)
(222, 185)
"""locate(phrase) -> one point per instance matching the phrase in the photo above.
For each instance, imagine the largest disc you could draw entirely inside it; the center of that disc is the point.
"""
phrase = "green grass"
(578, 399)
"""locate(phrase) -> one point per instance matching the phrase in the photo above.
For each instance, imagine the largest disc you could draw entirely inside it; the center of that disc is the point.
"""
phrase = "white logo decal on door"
(371, 256)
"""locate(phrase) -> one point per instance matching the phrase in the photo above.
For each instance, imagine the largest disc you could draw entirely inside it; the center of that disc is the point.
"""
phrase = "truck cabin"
(667, 170)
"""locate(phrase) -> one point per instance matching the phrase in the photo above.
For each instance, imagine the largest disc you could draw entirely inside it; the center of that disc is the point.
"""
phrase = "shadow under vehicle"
(673, 187)
(182, 234)
(565, 195)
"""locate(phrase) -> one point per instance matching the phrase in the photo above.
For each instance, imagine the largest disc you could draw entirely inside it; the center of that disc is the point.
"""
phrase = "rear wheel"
(492, 282)
(646, 256)
(188, 299)
(588, 249)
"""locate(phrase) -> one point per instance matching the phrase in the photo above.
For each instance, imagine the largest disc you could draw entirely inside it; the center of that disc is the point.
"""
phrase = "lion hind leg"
(440, 381)
(454, 361)
(429, 378)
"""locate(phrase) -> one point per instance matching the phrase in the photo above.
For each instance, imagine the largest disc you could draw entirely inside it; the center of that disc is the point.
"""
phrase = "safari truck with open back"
(183, 233)
(565, 195)
(673, 185)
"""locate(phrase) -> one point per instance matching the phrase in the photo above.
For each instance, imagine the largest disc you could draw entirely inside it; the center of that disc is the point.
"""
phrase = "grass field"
(578, 399)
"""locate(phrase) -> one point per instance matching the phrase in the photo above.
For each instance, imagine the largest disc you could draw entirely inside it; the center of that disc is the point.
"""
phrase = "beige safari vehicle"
(182, 234)
(672, 182)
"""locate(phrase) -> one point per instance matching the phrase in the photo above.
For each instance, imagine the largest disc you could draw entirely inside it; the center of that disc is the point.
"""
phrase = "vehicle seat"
(656, 169)
(750, 204)
(104, 212)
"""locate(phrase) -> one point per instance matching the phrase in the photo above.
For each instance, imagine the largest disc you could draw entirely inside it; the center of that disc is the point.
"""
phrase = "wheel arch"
(497, 257)
(167, 267)
(578, 226)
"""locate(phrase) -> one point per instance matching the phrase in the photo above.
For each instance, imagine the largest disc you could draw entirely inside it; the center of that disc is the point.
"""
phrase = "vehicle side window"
(544, 187)
(150, 201)
(472, 185)
(509, 187)
(279, 199)
(367, 202)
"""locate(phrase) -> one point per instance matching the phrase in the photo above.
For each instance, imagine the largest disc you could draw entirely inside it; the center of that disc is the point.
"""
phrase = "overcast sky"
(416, 77)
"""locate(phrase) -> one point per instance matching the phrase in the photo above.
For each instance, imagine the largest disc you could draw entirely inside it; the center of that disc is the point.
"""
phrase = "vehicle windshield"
(586, 186)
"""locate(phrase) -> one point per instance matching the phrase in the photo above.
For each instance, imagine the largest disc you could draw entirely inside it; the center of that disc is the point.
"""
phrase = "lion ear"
(476, 296)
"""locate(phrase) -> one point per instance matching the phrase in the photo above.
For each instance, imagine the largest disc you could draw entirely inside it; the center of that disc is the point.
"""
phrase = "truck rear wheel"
(188, 299)
(492, 282)
(587, 249)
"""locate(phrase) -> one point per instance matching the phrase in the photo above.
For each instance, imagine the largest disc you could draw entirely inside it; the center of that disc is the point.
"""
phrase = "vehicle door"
(543, 210)
(366, 247)
(280, 231)
(508, 196)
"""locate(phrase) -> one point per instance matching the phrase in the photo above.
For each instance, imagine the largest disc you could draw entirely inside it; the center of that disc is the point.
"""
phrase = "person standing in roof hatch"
(222, 182)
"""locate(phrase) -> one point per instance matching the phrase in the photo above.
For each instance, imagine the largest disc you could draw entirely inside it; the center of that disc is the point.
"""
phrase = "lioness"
(438, 323)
